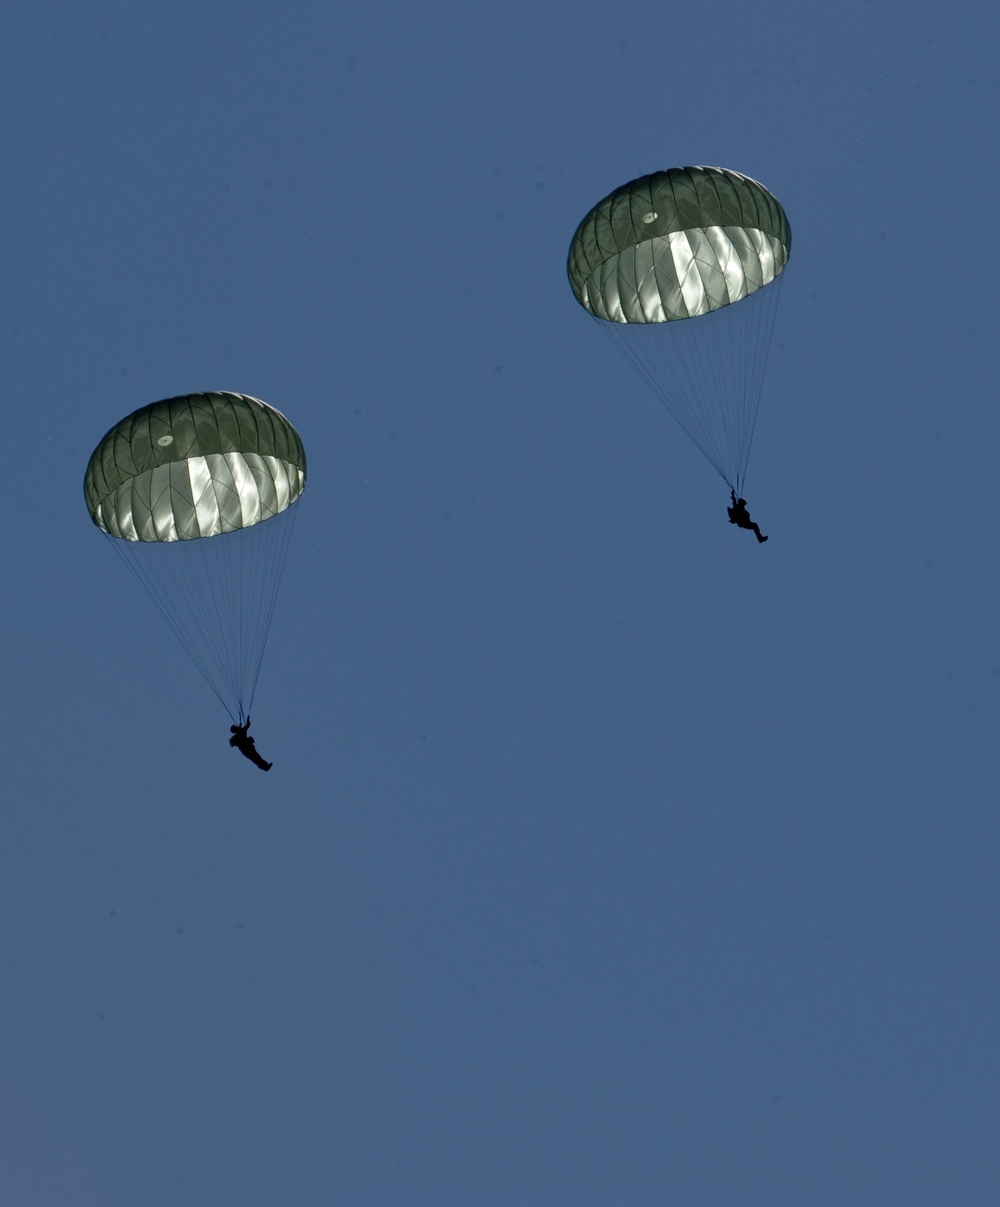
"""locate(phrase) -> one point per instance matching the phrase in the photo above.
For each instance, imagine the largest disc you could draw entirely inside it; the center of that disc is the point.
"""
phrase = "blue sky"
(607, 857)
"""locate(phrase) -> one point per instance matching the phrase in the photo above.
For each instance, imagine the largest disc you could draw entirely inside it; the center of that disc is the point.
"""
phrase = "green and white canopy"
(194, 466)
(677, 244)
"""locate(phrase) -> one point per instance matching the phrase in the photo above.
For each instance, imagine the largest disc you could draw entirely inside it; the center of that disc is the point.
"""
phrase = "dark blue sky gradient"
(608, 857)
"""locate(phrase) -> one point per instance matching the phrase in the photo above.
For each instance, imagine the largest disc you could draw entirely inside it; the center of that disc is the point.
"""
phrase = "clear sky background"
(608, 857)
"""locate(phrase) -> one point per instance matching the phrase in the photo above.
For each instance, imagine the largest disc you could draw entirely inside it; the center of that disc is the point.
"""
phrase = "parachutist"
(245, 744)
(739, 516)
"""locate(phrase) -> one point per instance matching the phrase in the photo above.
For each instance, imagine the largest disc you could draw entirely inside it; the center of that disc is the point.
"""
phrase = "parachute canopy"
(194, 466)
(683, 269)
(217, 465)
(678, 244)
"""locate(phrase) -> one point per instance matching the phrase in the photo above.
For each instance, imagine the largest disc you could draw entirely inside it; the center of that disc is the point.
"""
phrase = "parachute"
(683, 270)
(196, 494)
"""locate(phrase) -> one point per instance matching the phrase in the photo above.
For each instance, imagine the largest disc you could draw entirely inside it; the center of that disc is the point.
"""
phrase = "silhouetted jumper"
(245, 744)
(739, 516)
